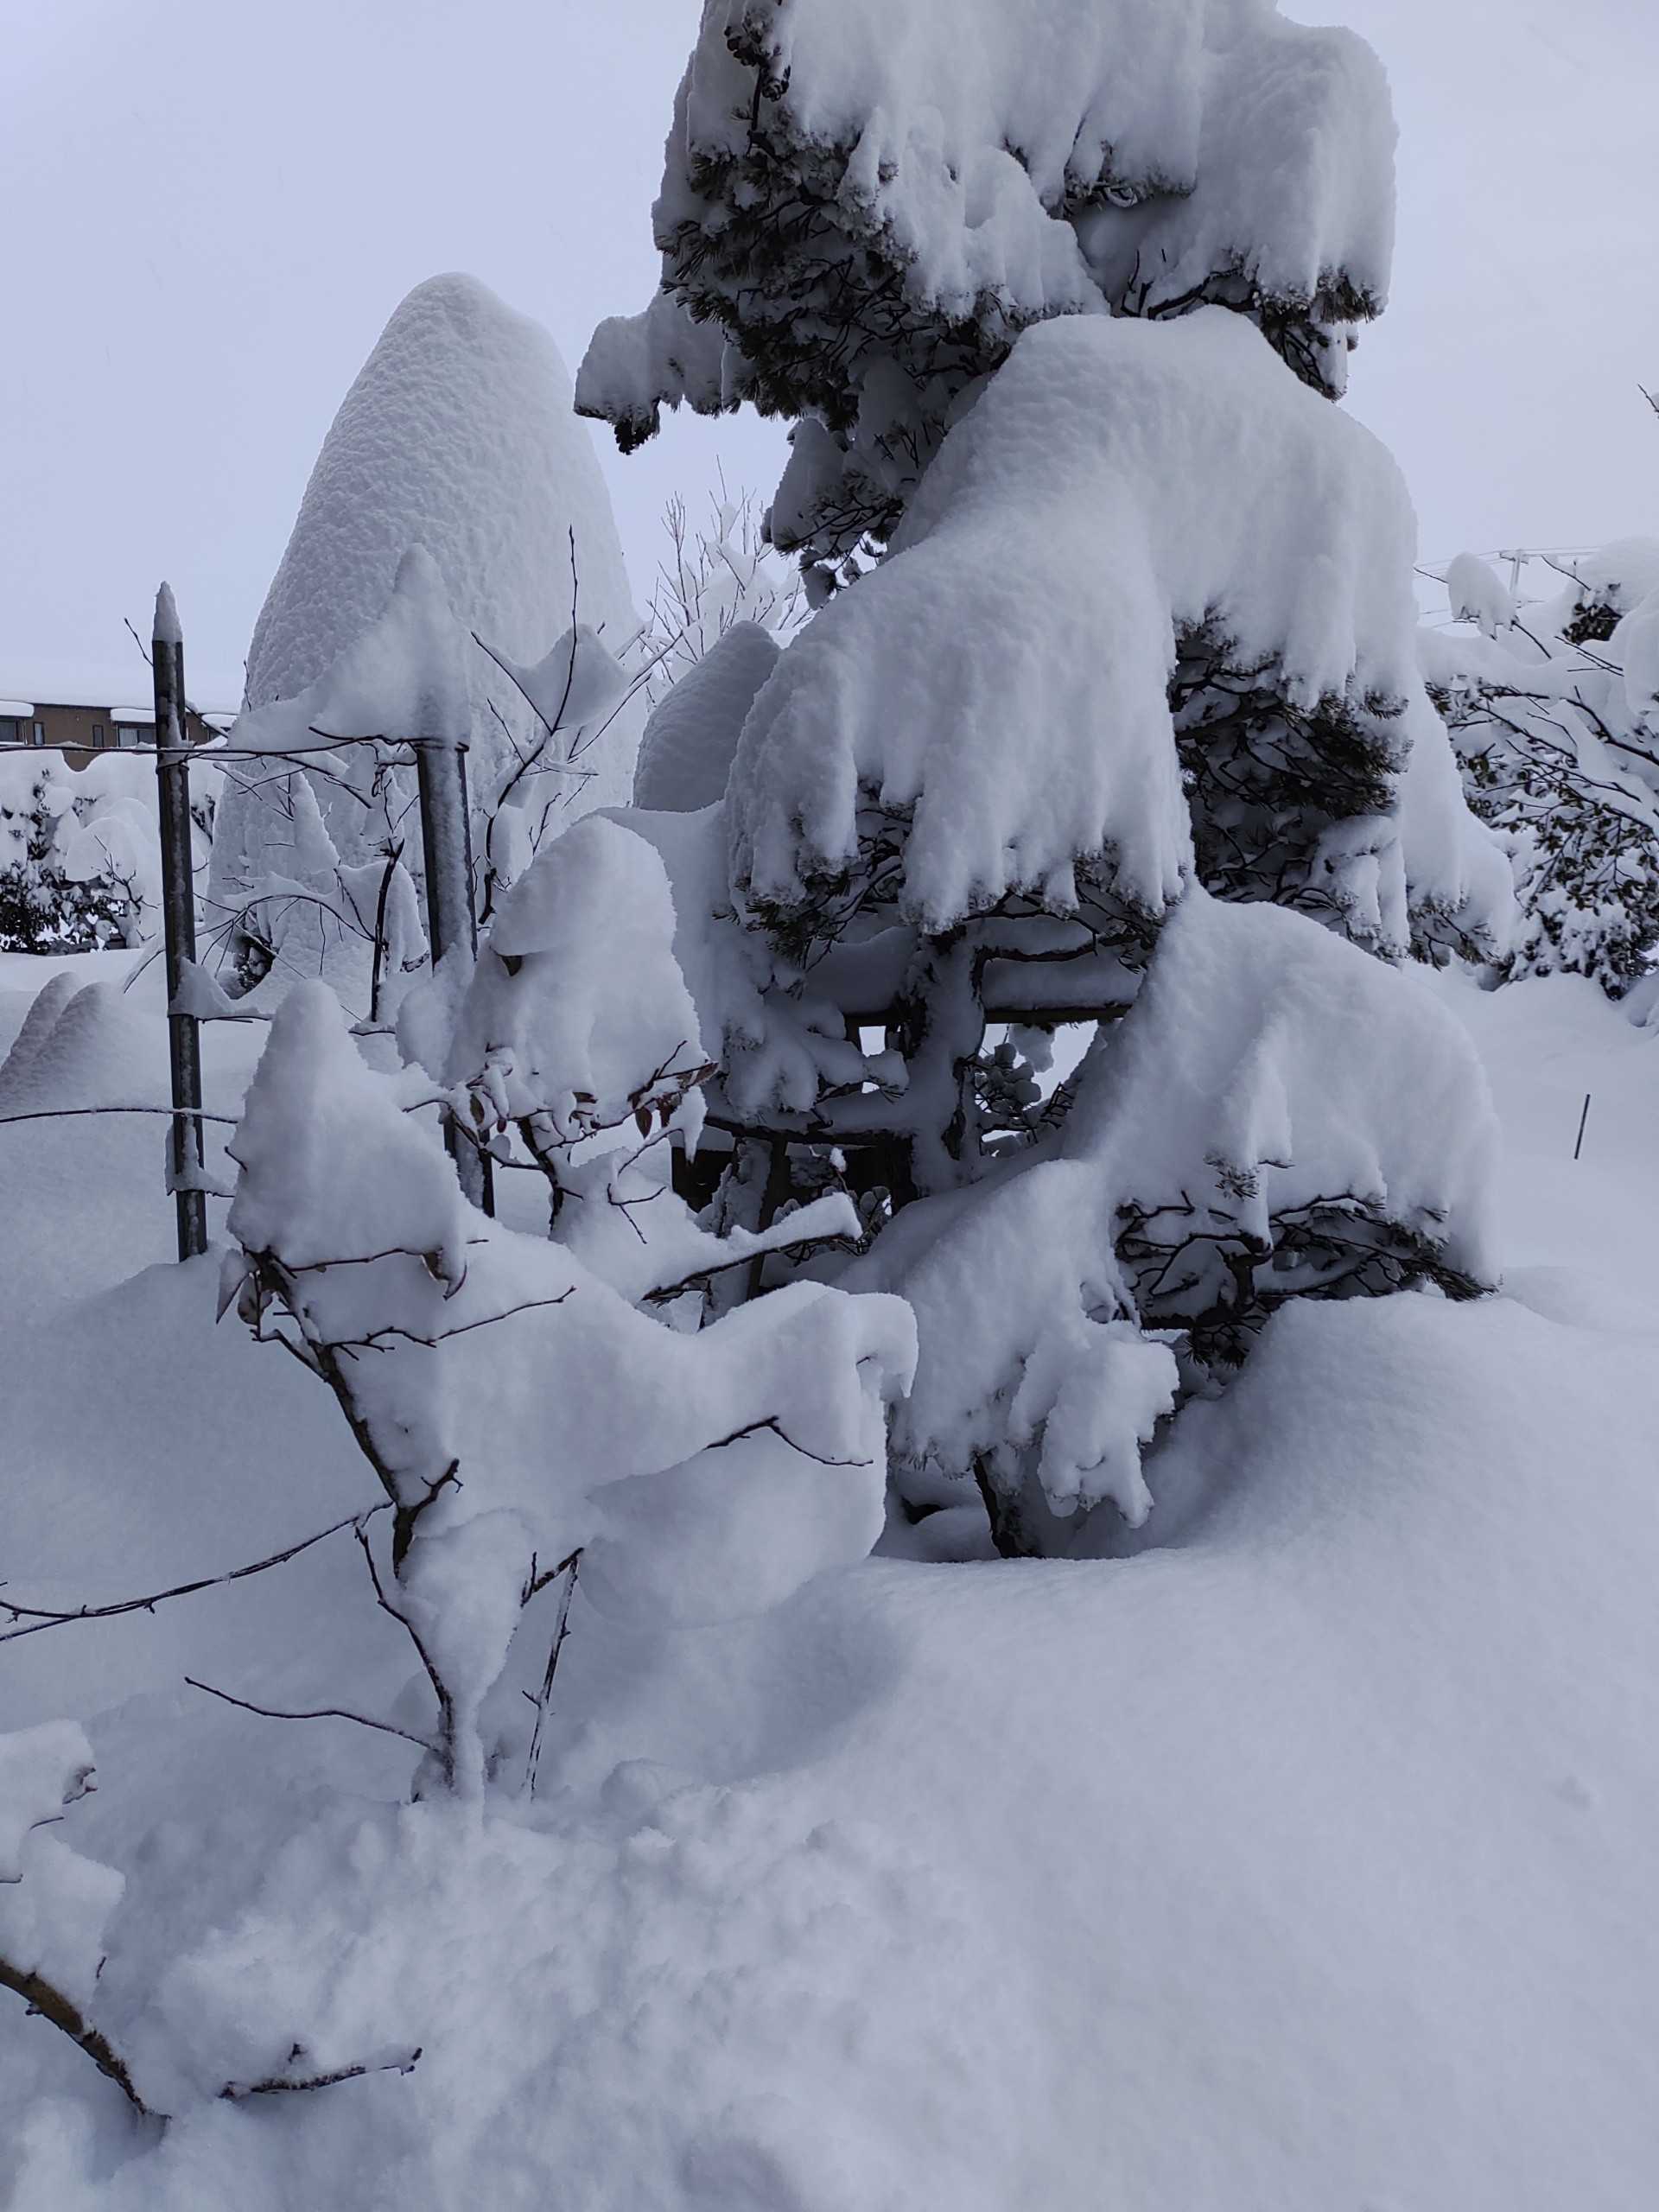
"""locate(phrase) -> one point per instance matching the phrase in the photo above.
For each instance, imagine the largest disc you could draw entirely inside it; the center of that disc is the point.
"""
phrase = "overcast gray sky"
(211, 206)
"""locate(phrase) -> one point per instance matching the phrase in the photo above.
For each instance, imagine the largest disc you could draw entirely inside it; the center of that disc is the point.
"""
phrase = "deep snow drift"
(1300, 1861)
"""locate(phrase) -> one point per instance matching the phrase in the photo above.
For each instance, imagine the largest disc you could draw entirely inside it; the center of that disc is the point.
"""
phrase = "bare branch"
(38, 1617)
(401, 2062)
(73, 1113)
(372, 1342)
(320, 1712)
(561, 1630)
(44, 1998)
(771, 1422)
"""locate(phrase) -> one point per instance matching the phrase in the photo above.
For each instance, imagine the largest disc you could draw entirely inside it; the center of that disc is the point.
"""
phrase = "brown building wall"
(80, 733)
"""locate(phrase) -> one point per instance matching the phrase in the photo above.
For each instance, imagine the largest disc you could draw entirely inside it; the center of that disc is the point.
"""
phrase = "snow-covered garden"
(921, 1474)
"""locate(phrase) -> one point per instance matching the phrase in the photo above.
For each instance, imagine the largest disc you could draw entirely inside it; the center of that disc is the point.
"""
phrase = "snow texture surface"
(686, 753)
(810, 1910)
(42, 1771)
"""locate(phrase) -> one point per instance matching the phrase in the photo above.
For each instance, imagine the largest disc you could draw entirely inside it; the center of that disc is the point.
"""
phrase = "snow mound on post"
(1003, 677)
(306, 1189)
(405, 675)
(457, 435)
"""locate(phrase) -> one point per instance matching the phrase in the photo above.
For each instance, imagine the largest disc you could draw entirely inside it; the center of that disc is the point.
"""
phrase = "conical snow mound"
(458, 435)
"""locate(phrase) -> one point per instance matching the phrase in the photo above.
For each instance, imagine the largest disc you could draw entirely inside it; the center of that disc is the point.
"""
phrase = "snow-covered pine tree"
(456, 437)
(1111, 715)
(1551, 701)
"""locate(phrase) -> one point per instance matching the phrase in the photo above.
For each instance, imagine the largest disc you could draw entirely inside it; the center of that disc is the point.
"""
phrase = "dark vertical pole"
(179, 923)
(447, 849)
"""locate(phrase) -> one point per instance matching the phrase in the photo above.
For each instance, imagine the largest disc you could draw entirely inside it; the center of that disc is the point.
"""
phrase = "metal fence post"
(447, 849)
(178, 925)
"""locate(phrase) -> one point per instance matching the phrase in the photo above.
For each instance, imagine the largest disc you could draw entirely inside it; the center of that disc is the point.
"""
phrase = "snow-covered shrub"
(456, 437)
(1115, 625)
(502, 1390)
(79, 856)
(1554, 707)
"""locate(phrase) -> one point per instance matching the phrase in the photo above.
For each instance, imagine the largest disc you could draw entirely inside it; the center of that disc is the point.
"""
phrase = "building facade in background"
(79, 730)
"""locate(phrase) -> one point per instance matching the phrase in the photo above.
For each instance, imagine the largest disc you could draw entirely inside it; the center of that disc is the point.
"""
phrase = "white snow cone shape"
(457, 436)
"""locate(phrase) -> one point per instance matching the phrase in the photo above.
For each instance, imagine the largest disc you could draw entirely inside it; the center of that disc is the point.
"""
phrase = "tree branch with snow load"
(1277, 1116)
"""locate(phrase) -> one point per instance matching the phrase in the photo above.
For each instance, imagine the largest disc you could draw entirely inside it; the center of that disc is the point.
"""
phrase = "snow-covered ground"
(1301, 1863)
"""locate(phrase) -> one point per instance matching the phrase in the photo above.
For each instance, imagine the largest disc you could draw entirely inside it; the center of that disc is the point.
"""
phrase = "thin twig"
(70, 1113)
(771, 1422)
(539, 1582)
(320, 1712)
(40, 1616)
(284, 2085)
(561, 1629)
(444, 1749)
(372, 1342)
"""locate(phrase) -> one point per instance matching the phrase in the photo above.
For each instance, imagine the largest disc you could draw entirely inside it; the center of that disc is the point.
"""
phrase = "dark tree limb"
(321, 1712)
(38, 1617)
(561, 1630)
(276, 2085)
(776, 1427)
(45, 1999)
